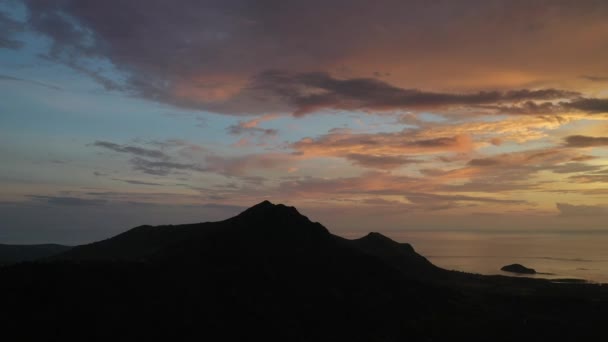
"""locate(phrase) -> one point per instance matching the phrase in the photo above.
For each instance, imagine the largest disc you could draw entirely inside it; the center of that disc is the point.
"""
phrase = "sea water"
(578, 255)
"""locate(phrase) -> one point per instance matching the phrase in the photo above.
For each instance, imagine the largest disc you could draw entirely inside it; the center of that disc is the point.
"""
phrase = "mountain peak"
(264, 203)
(375, 237)
(267, 208)
(267, 217)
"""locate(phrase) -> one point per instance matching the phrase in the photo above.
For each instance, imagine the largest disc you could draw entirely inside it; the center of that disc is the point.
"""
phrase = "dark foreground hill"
(271, 274)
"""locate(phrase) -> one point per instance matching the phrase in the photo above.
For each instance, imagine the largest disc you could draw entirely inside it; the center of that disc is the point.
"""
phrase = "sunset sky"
(365, 115)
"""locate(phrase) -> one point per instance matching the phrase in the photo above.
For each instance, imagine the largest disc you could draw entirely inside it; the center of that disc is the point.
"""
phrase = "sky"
(366, 115)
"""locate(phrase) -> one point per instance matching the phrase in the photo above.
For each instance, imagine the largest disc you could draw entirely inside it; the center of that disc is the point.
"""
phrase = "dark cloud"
(585, 141)
(589, 178)
(568, 210)
(68, 201)
(136, 182)
(578, 104)
(37, 83)
(180, 156)
(575, 167)
(95, 74)
(539, 159)
(162, 168)
(8, 28)
(133, 150)
(309, 92)
(546, 164)
(529, 108)
(428, 198)
(240, 130)
(201, 54)
(484, 162)
(595, 78)
(598, 176)
(252, 127)
(256, 180)
(379, 162)
(589, 105)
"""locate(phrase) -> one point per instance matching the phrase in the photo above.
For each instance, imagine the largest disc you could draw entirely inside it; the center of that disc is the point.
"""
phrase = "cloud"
(537, 159)
(241, 165)
(95, 74)
(204, 53)
(529, 108)
(518, 129)
(585, 141)
(137, 182)
(595, 78)
(599, 176)
(252, 126)
(378, 183)
(491, 185)
(382, 150)
(8, 29)
(68, 201)
(511, 171)
(589, 105)
(37, 83)
(577, 104)
(251, 130)
(431, 201)
(420, 193)
(575, 167)
(485, 162)
(571, 210)
(133, 150)
(162, 164)
(240, 129)
(162, 168)
(177, 155)
(385, 162)
(310, 92)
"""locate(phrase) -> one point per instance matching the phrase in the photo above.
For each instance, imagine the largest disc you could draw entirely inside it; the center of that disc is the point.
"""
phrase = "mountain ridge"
(263, 228)
(270, 273)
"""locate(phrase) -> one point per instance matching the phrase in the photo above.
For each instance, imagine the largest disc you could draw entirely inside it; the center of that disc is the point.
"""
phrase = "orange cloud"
(382, 150)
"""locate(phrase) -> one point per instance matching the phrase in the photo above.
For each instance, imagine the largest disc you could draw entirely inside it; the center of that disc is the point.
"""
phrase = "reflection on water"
(582, 256)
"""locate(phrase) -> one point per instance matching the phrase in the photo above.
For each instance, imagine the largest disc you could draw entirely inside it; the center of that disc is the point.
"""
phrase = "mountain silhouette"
(265, 229)
(270, 273)
(262, 228)
(399, 255)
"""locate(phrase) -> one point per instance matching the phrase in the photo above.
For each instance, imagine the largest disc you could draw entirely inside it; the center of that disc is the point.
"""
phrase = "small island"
(517, 268)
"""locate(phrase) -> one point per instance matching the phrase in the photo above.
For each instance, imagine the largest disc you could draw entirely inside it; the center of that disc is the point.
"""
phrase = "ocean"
(578, 255)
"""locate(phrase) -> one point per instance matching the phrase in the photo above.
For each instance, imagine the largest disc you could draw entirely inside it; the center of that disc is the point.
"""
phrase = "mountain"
(261, 228)
(265, 229)
(10, 254)
(270, 273)
(400, 255)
